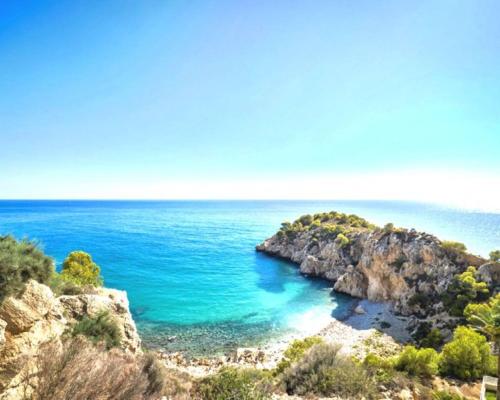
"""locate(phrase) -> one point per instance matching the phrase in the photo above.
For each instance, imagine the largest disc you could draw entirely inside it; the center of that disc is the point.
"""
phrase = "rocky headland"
(412, 271)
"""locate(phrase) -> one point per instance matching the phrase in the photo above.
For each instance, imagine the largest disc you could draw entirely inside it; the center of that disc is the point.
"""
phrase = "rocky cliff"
(39, 316)
(411, 270)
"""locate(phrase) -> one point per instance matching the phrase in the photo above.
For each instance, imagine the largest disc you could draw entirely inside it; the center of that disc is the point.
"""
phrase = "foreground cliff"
(411, 270)
(38, 316)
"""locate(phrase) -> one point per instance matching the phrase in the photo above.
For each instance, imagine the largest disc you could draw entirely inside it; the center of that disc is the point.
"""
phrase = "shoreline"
(358, 334)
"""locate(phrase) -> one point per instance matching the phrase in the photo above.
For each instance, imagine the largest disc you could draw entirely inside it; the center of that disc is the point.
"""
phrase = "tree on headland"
(495, 256)
(79, 268)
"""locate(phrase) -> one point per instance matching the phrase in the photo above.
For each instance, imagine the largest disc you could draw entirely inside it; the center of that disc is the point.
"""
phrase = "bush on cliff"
(21, 261)
(422, 363)
(233, 383)
(79, 268)
(77, 369)
(495, 256)
(463, 290)
(467, 356)
(342, 240)
(295, 351)
(61, 286)
(323, 371)
(101, 328)
(434, 339)
(381, 368)
(455, 247)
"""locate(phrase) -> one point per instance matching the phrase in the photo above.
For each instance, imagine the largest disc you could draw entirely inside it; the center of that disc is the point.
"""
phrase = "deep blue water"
(190, 268)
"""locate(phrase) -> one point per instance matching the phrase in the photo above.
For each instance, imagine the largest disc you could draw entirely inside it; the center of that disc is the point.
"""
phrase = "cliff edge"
(38, 316)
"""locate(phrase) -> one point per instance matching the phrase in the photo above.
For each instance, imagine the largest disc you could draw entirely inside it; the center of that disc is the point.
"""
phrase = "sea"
(194, 280)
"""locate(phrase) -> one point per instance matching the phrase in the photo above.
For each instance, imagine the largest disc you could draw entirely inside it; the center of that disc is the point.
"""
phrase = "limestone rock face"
(409, 269)
(39, 316)
(490, 273)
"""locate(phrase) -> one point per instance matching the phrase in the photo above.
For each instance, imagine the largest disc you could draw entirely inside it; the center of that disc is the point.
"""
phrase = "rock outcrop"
(409, 269)
(39, 316)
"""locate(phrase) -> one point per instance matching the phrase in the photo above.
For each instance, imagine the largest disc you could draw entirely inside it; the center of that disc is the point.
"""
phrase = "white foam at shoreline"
(311, 321)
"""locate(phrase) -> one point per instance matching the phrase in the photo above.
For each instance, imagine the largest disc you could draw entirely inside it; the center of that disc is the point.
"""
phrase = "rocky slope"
(39, 316)
(409, 269)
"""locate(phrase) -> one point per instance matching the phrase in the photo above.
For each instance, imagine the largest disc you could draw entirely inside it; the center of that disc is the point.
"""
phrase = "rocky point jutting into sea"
(410, 270)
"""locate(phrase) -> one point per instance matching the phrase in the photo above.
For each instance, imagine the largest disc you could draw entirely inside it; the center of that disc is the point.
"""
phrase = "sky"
(251, 99)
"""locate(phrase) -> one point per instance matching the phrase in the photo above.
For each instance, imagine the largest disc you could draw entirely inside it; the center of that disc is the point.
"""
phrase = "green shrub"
(79, 268)
(455, 247)
(381, 368)
(62, 286)
(388, 228)
(422, 363)
(463, 290)
(342, 240)
(234, 384)
(295, 351)
(306, 220)
(322, 371)
(434, 339)
(495, 256)
(442, 395)
(467, 356)
(21, 261)
(101, 328)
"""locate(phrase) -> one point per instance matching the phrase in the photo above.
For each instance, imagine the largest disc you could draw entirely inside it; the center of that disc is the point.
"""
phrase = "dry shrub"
(79, 370)
(323, 371)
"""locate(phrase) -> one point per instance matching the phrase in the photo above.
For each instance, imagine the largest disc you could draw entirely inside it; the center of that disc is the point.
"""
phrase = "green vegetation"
(329, 225)
(495, 256)
(234, 383)
(485, 318)
(434, 339)
(490, 395)
(389, 227)
(382, 369)
(79, 269)
(101, 328)
(455, 247)
(463, 290)
(295, 352)
(342, 240)
(421, 363)
(21, 261)
(322, 371)
(467, 356)
(442, 395)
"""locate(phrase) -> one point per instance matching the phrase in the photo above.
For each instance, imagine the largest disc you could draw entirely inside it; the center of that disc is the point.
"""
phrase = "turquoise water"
(190, 268)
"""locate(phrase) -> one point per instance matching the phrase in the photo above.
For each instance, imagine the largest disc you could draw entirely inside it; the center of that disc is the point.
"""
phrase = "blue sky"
(152, 98)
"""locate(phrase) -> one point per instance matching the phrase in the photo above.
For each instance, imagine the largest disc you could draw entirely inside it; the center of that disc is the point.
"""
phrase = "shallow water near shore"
(194, 280)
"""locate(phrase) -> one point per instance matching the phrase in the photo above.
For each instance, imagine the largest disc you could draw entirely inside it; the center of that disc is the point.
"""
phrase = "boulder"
(359, 309)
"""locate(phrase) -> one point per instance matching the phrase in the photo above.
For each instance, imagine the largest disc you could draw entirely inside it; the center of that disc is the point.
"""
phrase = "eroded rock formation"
(409, 269)
(39, 316)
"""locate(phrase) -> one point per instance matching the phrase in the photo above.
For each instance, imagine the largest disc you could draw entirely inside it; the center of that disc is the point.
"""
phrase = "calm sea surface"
(190, 268)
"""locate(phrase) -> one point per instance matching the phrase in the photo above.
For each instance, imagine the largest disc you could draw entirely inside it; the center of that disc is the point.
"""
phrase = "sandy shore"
(372, 327)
